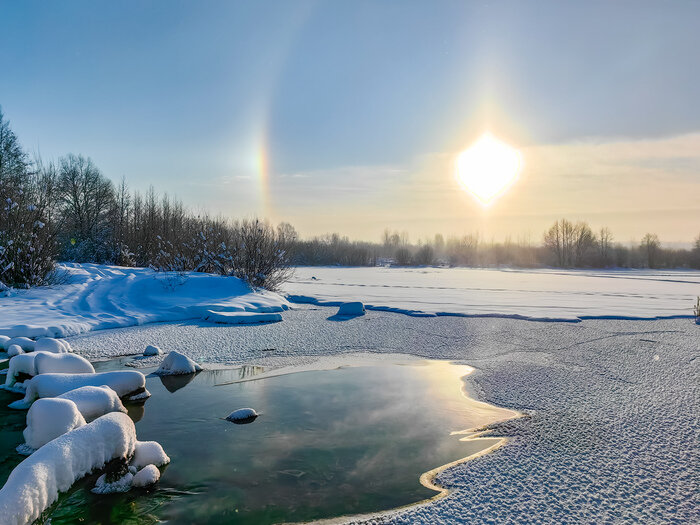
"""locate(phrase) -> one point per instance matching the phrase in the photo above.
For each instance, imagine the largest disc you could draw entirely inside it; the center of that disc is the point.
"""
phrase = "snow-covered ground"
(95, 297)
(612, 426)
(533, 294)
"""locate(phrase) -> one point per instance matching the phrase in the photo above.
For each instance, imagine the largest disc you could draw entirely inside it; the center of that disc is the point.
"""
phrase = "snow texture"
(36, 482)
(4, 340)
(611, 426)
(152, 350)
(176, 363)
(542, 295)
(98, 297)
(149, 452)
(241, 414)
(24, 343)
(93, 401)
(49, 418)
(123, 382)
(146, 477)
(20, 364)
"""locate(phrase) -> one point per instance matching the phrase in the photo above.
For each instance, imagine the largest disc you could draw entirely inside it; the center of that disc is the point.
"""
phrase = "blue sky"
(358, 106)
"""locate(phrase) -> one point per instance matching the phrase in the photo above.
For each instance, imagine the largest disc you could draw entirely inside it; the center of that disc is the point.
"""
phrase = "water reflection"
(331, 443)
(174, 383)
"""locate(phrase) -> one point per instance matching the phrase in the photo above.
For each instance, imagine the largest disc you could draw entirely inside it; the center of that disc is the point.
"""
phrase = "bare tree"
(569, 242)
(650, 247)
(605, 245)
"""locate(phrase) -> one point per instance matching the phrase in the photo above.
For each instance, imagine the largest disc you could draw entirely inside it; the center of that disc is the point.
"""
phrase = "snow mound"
(24, 343)
(147, 476)
(97, 297)
(242, 317)
(4, 342)
(123, 484)
(147, 453)
(242, 414)
(152, 350)
(49, 344)
(19, 364)
(49, 418)
(93, 401)
(36, 482)
(176, 363)
(63, 363)
(352, 308)
(14, 350)
(123, 382)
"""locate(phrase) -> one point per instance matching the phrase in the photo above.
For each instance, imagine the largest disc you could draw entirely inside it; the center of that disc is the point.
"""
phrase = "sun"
(488, 168)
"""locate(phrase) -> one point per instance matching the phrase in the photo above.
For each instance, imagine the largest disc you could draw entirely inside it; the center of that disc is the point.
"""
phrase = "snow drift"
(98, 297)
(40, 362)
(47, 419)
(94, 401)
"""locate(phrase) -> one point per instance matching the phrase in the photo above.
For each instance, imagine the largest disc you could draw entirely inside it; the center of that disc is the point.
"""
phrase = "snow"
(123, 484)
(242, 414)
(14, 350)
(565, 295)
(49, 418)
(45, 362)
(98, 297)
(176, 363)
(611, 405)
(353, 308)
(36, 482)
(24, 343)
(242, 317)
(93, 401)
(4, 342)
(49, 344)
(48, 362)
(123, 382)
(149, 452)
(147, 476)
(152, 350)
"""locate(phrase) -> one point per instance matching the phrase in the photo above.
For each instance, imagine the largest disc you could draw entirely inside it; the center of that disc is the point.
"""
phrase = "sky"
(348, 116)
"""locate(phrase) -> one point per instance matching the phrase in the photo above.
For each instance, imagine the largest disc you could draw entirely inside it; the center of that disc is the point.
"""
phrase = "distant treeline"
(565, 245)
(69, 211)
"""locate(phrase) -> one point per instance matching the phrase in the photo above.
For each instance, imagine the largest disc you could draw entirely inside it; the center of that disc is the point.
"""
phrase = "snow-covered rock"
(152, 350)
(123, 484)
(63, 363)
(94, 401)
(149, 452)
(19, 364)
(242, 414)
(123, 382)
(36, 482)
(352, 308)
(14, 350)
(24, 342)
(176, 363)
(3, 342)
(147, 476)
(49, 344)
(49, 418)
(41, 362)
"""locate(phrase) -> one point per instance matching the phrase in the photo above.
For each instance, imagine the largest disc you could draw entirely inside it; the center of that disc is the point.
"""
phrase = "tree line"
(67, 210)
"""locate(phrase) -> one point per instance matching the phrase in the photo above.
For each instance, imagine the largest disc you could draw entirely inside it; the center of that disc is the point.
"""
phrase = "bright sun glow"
(488, 168)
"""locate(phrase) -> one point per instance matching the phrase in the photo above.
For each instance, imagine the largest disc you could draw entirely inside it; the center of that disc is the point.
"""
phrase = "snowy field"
(534, 294)
(612, 405)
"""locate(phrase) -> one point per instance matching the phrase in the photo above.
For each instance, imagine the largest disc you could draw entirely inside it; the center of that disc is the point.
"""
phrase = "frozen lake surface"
(534, 294)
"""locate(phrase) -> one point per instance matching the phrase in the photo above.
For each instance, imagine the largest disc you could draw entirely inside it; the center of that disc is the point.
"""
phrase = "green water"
(327, 443)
